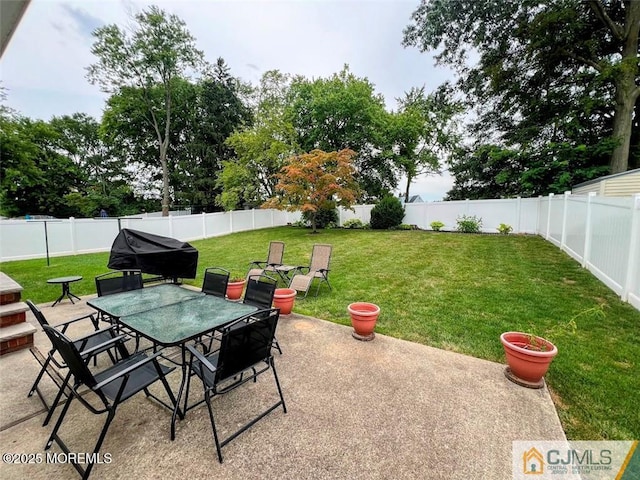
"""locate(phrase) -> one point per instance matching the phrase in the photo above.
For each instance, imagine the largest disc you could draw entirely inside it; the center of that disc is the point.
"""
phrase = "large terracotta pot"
(363, 319)
(528, 361)
(283, 299)
(234, 289)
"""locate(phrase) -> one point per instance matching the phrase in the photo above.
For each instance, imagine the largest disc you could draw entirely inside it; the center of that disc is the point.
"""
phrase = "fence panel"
(242, 220)
(556, 214)
(187, 227)
(610, 240)
(529, 216)
(263, 218)
(21, 240)
(576, 226)
(217, 224)
(94, 235)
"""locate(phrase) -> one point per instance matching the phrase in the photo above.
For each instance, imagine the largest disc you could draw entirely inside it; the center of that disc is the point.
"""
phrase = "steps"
(15, 332)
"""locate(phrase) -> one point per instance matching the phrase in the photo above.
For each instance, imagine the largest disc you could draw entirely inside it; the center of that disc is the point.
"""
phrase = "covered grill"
(154, 254)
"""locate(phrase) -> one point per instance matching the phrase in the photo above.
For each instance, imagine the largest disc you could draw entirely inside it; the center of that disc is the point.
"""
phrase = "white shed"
(617, 185)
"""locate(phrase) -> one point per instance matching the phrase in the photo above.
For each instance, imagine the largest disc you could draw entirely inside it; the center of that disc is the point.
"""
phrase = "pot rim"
(285, 293)
(508, 343)
(353, 307)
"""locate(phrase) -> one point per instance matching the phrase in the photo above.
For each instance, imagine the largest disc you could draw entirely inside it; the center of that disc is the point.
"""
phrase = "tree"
(316, 181)
(532, 86)
(158, 49)
(261, 148)
(421, 133)
(344, 112)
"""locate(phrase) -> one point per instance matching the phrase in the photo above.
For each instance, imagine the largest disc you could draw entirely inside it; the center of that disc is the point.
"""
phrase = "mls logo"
(533, 462)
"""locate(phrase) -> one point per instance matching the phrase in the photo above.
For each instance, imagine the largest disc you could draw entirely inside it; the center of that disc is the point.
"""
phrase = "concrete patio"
(356, 410)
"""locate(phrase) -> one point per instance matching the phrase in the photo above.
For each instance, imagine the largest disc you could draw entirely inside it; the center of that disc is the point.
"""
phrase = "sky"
(43, 68)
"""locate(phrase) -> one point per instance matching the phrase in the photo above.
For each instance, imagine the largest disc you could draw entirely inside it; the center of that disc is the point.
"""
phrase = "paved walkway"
(356, 410)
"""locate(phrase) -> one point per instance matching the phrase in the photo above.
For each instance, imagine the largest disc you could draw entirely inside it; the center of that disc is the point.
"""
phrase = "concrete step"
(12, 313)
(16, 337)
(10, 290)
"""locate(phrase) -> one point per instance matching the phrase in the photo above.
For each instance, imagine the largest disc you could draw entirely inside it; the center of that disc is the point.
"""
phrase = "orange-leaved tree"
(316, 181)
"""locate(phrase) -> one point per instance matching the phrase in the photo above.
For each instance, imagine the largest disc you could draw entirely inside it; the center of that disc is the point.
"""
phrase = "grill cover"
(153, 254)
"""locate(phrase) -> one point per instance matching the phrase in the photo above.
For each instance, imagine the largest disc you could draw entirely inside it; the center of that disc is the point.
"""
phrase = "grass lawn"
(452, 291)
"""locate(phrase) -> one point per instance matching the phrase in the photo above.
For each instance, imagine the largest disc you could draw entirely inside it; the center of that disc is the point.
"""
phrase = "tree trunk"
(165, 178)
(622, 120)
(626, 88)
(406, 193)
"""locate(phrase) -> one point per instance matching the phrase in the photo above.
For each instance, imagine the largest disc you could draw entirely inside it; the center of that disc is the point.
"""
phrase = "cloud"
(84, 22)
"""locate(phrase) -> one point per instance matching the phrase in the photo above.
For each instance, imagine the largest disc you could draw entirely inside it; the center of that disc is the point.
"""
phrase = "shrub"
(505, 229)
(387, 213)
(325, 218)
(437, 225)
(353, 223)
(469, 224)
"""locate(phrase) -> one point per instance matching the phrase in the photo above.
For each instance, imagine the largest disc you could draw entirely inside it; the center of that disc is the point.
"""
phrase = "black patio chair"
(244, 354)
(112, 386)
(215, 281)
(259, 293)
(118, 281)
(89, 345)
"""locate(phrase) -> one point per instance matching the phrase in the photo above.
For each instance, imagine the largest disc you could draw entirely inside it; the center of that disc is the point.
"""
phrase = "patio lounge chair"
(274, 260)
(88, 345)
(318, 269)
(215, 281)
(112, 386)
(244, 354)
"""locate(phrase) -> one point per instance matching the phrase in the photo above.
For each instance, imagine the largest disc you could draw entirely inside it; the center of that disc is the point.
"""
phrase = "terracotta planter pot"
(526, 362)
(234, 290)
(283, 299)
(363, 319)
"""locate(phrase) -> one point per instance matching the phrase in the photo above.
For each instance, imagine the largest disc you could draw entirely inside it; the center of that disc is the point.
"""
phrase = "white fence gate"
(602, 233)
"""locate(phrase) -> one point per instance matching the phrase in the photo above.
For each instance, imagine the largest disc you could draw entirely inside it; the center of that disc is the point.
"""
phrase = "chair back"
(320, 257)
(120, 281)
(215, 281)
(276, 252)
(37, 313)
(246, 342)
(71, 356)
(260, 291)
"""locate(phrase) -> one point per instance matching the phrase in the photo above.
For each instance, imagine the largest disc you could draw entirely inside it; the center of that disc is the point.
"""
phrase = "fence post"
(253, 219)
(170, 225)
(204, 225)
(634, 248)
(587, 231)
(231, 221)
(271, 212)
(72, 231)
(339, 216)
(518, 213)
(551, 195)
(538, 206)
(563, 236)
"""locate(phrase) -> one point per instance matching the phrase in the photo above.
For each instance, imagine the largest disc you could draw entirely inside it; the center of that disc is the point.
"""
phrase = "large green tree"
(562, 72)
(261, 148)
(422, 133)
(344, 112)
(147, 57)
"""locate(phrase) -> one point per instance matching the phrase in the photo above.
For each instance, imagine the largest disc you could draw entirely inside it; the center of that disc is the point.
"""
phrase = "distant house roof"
(415, 199)
(607, 177)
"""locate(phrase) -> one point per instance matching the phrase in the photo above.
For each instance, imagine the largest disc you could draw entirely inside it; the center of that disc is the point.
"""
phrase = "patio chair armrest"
(101, 347)
(129, 369)
(203, 360)
(258, 264)
(300, 269)
(66, 324)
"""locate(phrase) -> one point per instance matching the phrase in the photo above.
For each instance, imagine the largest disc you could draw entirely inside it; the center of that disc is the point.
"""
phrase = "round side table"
(65, 281)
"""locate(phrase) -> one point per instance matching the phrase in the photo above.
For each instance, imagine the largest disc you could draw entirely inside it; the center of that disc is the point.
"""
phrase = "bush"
(505, 229)
(469, 224)
(325, 218)
(387, 213)
(437, 225)
(353, 223)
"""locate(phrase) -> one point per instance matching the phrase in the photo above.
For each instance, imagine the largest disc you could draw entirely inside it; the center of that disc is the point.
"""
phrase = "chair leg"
(57, 399)
(275, 375)
(207, 398)
(54, 433)
(276, 345)
(39, 377)
(103, 434)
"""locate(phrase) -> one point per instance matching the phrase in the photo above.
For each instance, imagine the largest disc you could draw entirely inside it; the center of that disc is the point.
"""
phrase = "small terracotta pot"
(283, 299)
(363, 319)
(527, 363)
(234, 289)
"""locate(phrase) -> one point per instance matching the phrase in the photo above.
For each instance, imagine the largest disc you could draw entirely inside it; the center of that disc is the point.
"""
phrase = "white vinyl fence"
(602, 233)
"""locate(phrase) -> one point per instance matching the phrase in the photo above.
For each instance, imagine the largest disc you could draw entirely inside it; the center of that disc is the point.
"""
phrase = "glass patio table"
(170, 316)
